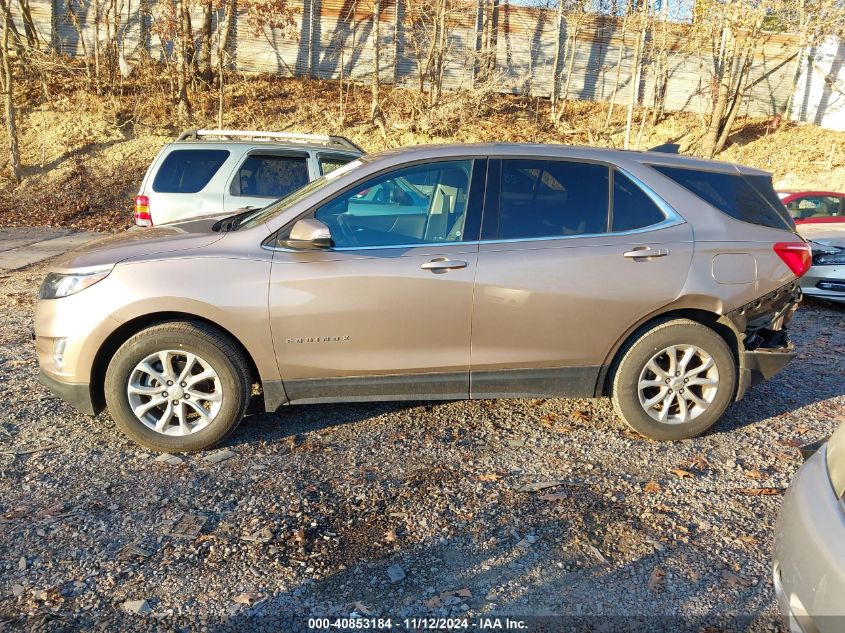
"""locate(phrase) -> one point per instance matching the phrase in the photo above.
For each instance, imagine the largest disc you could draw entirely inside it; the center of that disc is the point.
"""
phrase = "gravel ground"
(401, 510)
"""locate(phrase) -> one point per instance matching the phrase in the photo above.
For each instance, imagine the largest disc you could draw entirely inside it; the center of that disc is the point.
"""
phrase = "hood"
(139, 243)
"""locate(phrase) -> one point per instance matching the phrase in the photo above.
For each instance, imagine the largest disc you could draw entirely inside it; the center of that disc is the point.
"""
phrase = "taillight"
(142, 211)
(796, 255)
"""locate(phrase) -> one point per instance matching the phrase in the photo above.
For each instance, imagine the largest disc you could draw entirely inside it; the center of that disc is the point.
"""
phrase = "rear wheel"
(177, 387)
(674, 381)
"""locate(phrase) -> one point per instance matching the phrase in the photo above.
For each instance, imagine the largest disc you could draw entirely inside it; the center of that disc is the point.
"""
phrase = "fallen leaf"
(680, 473)
(581, 416)
(655, 581)
(652, 487)
(390, 536)
(700, 462)
(464, 593)
(801, 430)
(538, 486)
(489, 477)
(755, 474)
(559, 496)
(756, 492)
(299, 536)
(433, 603)
(792, 443)
(732, 580)
(748, 540)
(247, 597)
(362, 608)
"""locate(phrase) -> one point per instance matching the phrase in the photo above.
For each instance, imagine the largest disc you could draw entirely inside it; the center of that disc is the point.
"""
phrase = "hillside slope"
(84, 154)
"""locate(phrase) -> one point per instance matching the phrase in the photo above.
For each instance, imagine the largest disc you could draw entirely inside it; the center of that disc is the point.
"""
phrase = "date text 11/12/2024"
(417, 624)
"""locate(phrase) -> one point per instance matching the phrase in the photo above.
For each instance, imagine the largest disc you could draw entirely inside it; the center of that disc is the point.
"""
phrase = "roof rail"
(338, 142)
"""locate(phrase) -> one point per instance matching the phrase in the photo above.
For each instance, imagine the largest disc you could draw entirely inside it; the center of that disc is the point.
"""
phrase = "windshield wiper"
(231, 222)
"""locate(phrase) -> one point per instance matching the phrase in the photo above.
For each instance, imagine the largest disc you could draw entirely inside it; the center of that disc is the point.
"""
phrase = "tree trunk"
(720, 107)
(635, 84)
(183, 104)
(569, 66)
(206, 74)
(555, 87)
(618, 71)
(9, 102)
(375, 83)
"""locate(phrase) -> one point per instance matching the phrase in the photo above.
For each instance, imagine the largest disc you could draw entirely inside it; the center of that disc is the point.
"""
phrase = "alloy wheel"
(678, 384)
(174, 392)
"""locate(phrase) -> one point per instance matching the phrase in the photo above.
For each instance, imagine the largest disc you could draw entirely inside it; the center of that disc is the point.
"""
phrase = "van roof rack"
(337, 142)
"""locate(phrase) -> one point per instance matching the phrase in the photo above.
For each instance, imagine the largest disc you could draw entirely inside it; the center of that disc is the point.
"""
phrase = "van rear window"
(748, 198)
(188, 170)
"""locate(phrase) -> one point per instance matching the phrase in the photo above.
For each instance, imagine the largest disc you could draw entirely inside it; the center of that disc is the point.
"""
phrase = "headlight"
(58, 285)
(836, 460)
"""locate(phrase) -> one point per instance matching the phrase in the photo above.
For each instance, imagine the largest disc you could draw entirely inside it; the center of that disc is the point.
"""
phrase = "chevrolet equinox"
(438, 272)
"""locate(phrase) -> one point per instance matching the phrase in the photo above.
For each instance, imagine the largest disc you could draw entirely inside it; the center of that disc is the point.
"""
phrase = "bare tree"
(183, 103)
(7, 85)
(737, 31)
(375, 78)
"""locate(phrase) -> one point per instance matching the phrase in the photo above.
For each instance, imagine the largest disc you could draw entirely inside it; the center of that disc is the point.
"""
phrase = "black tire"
(641, 349)
(215, 348)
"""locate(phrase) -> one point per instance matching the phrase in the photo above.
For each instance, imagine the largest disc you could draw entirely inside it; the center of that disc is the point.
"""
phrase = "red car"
(814, 207)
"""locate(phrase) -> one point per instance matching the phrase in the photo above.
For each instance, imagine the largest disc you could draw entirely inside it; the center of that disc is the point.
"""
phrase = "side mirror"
(309, 234)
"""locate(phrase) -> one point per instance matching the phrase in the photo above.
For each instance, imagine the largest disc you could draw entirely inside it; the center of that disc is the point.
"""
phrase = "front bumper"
(76, 394)
(825, 282)
(809, 552)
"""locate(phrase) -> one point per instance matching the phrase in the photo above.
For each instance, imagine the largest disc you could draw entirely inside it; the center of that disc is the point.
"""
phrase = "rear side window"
(268, 176)
(549, 198)
(747, 198)
(329, 163)
(188, 170)
(632, 207)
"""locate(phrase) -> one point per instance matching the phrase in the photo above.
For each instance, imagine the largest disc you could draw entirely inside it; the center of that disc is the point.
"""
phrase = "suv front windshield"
(283, 204)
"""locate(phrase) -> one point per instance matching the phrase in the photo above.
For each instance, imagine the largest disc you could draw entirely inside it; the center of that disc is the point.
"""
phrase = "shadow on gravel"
(296, 419)
(525, 557)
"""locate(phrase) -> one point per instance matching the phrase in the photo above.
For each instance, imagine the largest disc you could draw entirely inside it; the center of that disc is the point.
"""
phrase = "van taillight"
(142, 211)
(796, 255)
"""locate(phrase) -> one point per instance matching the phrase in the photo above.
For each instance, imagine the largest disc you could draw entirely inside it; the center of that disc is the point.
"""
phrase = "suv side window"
(748, 198)
(632, 207)
(270, 176)
(422, 204)
(552, 198)
(188, 170)
(330, 162)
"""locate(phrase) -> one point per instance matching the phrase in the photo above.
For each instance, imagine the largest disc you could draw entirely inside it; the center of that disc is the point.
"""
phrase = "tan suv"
(438, 272)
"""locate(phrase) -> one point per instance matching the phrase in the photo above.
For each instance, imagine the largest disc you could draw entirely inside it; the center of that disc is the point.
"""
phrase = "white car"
(216, 172)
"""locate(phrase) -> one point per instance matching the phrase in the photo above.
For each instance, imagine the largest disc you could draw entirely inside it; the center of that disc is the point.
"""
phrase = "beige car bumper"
(809, 554)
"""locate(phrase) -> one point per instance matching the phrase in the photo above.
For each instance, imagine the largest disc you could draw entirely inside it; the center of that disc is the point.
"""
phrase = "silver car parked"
(215, 172)
(809, 556)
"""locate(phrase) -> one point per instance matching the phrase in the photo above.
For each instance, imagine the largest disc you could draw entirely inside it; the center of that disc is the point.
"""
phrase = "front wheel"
(177, 387)
(674, 381)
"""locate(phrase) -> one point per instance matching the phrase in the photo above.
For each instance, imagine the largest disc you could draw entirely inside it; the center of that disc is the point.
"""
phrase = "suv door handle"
(442, 264)
(646, 252)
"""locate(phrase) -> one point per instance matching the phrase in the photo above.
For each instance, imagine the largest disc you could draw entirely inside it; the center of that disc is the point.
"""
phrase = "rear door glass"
(552, 198)
(270, 176)
(746, 198)
(632, 207)
(188, 170)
